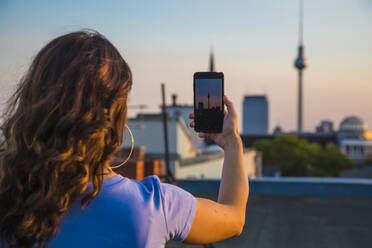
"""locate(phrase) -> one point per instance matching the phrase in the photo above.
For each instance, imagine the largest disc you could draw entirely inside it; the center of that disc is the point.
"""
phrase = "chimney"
(174, 100)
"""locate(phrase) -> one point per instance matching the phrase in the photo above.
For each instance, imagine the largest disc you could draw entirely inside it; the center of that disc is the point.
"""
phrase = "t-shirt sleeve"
(179, 210)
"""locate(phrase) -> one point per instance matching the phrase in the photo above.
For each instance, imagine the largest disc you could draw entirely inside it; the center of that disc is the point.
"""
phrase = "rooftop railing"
(290, 186)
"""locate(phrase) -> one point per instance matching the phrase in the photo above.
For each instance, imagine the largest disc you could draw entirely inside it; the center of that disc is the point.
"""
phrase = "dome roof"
(353, 123)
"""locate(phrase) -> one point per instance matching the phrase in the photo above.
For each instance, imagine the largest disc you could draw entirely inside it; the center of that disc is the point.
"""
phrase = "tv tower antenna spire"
(301, 23)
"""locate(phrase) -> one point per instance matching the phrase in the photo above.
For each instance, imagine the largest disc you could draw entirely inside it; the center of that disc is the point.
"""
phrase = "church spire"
(211, 62)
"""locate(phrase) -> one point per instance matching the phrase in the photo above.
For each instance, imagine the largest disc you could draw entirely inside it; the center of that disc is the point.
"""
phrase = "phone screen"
(208, 104)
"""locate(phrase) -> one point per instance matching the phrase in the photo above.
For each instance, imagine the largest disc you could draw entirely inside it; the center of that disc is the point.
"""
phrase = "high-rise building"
(255, 115)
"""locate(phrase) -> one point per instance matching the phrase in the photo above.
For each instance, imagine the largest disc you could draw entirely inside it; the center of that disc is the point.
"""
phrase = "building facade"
(255, 115)
(355, 140)
(325, 126)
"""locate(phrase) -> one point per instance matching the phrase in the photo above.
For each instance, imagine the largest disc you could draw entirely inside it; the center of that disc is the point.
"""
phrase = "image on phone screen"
(208, 104)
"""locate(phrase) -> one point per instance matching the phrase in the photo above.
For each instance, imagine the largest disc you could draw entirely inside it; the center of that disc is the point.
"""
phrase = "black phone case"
(197, 121)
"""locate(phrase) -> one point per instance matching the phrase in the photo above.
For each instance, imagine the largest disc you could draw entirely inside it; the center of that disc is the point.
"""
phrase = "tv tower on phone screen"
(300, 63)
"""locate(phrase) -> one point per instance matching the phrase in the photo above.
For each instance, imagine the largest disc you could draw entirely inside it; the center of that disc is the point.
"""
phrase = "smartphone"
(208, 102)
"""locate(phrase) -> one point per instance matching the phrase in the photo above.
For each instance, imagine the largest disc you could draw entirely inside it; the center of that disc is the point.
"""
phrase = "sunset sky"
(255, 44)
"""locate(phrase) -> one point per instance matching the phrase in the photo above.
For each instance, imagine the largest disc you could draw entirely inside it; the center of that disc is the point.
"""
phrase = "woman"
(62, 128)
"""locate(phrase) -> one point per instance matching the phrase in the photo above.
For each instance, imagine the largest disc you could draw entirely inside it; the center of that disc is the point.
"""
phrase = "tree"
(296, 157)
(330, 162)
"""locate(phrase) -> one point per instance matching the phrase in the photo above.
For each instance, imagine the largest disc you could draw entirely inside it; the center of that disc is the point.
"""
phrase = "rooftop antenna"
(301, 23)
(169, 174)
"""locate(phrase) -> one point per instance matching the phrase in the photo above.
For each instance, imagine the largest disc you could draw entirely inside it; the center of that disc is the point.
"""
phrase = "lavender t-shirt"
(129, 213)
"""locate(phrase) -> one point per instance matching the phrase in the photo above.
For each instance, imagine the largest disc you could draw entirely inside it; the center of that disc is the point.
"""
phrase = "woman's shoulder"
(171, 205)
(178, 205)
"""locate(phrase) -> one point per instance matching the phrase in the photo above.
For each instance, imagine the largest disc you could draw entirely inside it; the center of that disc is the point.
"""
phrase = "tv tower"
(208, 98)
(300, 63)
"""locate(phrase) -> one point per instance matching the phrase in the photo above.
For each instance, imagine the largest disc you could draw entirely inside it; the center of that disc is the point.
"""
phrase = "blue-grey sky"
(255, 43)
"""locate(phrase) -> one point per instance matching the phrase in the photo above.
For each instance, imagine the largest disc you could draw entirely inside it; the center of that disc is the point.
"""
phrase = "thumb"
(230, 106)
(206, 135)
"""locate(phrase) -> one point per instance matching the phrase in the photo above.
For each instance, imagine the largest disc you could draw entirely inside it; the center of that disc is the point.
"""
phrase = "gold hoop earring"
(131, 150)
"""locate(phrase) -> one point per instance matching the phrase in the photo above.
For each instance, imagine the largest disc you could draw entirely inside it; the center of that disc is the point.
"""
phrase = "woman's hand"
(230, 134)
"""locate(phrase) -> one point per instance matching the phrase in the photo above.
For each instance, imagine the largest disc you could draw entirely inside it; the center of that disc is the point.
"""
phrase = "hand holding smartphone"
(230, 135)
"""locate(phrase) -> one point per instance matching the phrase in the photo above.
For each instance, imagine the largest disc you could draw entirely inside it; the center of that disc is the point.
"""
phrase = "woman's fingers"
(191, 116)
(202, 135)
(230, 106)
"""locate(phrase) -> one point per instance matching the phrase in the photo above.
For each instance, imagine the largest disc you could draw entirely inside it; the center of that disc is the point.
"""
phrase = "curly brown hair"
(62, 127)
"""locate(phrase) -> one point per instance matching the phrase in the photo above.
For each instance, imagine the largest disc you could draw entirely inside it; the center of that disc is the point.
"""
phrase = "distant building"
(255, 115)
(278, 130)
(151, 128)
(352, 127)
(187, 158)
(325, 126)
(355, 139)
(183, 111)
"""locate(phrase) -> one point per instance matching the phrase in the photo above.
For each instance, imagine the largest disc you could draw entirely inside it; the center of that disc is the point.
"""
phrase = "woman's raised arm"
(215, 221)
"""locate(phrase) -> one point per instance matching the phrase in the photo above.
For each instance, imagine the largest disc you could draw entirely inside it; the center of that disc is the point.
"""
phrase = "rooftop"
(299, 212)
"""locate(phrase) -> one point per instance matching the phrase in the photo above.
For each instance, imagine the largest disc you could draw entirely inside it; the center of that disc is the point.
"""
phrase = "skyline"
(254, 44)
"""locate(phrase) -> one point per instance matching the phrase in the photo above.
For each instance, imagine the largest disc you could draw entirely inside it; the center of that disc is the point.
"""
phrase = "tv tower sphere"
(300, 62)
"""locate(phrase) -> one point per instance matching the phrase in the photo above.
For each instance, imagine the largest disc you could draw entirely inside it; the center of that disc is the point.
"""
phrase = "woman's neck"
(109, 173)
